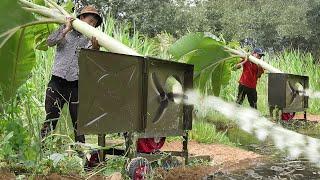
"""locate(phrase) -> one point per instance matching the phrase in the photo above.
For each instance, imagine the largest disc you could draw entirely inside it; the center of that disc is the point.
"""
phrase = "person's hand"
(68, 25)
(95, 43)
(234, 68)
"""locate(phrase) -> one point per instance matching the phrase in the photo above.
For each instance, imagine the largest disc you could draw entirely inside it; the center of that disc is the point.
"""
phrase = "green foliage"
(271, 24)
(16, 143)
(211, 61)
(204, 132)
(125, 33)
(114, 164)
(41, 33)
(39, 2)
(17, 61)
(12, 16)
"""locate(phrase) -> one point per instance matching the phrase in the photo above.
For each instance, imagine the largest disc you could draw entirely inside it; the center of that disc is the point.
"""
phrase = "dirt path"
(310, 117)
(223, 158)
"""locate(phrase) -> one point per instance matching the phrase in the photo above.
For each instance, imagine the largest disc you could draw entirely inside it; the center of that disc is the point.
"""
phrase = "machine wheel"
(138, 168)
(287, 116)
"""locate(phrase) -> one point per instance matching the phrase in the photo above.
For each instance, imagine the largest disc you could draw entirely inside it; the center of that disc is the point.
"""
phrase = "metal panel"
(283, 92)
(296, 102)
(117, 94)
(276, 90)
(109, 92)
(172, 120)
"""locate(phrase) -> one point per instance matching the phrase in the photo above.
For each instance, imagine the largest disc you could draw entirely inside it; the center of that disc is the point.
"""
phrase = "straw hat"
(91, 10)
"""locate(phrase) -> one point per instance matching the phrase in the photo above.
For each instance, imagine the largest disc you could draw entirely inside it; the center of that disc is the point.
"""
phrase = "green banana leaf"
(16, 62)
(17, 45)
(39, 2)
(212, 63)
(12, 16)
(41, 33)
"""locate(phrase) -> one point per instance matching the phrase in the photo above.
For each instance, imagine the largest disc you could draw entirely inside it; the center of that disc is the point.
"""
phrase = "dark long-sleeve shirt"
(66, 58)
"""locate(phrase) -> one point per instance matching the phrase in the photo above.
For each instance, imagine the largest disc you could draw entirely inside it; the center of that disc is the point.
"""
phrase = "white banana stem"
(104, 40)
(255, 60)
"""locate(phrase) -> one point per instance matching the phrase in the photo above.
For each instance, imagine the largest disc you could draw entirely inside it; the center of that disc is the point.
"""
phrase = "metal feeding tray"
(131, 94)
(286, 92)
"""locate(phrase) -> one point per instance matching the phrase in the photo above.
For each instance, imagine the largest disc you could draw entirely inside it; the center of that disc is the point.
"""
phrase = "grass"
(204, 132)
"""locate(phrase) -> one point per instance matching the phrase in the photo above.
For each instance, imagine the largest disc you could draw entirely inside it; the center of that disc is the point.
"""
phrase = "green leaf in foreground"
(209, 57)
(12, 16)
(17, 60)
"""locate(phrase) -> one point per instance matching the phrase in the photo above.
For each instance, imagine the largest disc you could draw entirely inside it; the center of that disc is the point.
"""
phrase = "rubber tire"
(136, 163)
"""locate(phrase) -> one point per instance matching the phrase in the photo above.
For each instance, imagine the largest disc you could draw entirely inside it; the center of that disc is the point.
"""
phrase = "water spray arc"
(251, 121)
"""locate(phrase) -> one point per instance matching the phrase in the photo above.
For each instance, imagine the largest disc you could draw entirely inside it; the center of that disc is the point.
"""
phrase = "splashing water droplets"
(251, 121)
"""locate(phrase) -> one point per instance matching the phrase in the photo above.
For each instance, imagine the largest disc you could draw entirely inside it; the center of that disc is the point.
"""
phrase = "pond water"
(279, 166)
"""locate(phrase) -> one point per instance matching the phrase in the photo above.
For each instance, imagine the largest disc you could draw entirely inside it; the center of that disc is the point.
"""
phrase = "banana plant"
(212, 63)
(212, 58)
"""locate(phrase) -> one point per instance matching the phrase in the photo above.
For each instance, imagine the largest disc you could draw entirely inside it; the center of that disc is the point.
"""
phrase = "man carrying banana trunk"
(250, 74)
(63, 86)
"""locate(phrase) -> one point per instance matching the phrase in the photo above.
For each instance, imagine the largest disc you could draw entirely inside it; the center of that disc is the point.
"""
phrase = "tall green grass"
(204, 132)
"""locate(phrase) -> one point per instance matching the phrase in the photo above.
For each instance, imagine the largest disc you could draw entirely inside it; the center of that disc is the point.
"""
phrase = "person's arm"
(260, 71)
(57, 36)
(93, 44)
(239, 65)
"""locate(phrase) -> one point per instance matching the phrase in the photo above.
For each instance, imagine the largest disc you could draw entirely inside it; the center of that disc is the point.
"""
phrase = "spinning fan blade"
(162, 108)
(292, 98)
(294, 93)
(291, 88)
(173, 96)
(157, 84)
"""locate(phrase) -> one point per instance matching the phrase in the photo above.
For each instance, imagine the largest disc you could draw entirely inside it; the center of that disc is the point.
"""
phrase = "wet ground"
(255, 160)
(282, 168)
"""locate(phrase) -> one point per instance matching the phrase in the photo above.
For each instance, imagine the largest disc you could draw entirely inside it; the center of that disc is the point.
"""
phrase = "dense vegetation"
(274, 25)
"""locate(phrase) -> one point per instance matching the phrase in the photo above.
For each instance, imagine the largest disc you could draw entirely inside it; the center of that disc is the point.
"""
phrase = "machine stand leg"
(271, 109)
(102, 143)
(185, 148)
(131, 148)
(278, 115)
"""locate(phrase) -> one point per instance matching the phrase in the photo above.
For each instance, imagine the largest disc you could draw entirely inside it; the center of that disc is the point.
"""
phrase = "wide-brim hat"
(91, 10)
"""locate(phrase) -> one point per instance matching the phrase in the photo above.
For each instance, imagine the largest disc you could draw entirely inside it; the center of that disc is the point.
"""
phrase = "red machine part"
(287, 116)
(139, 173)
(138, 168)
(150, 145)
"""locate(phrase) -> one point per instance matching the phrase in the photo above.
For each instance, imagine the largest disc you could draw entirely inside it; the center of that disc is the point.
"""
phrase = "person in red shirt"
(249, 77)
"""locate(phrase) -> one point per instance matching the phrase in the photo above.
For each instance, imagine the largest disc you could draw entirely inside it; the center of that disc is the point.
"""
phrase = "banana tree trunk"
(58, 14)
(255, 60)
(104, 40)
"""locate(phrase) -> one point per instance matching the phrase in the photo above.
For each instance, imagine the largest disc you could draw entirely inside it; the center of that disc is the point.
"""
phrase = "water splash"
(312, 94)
(251, 121)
